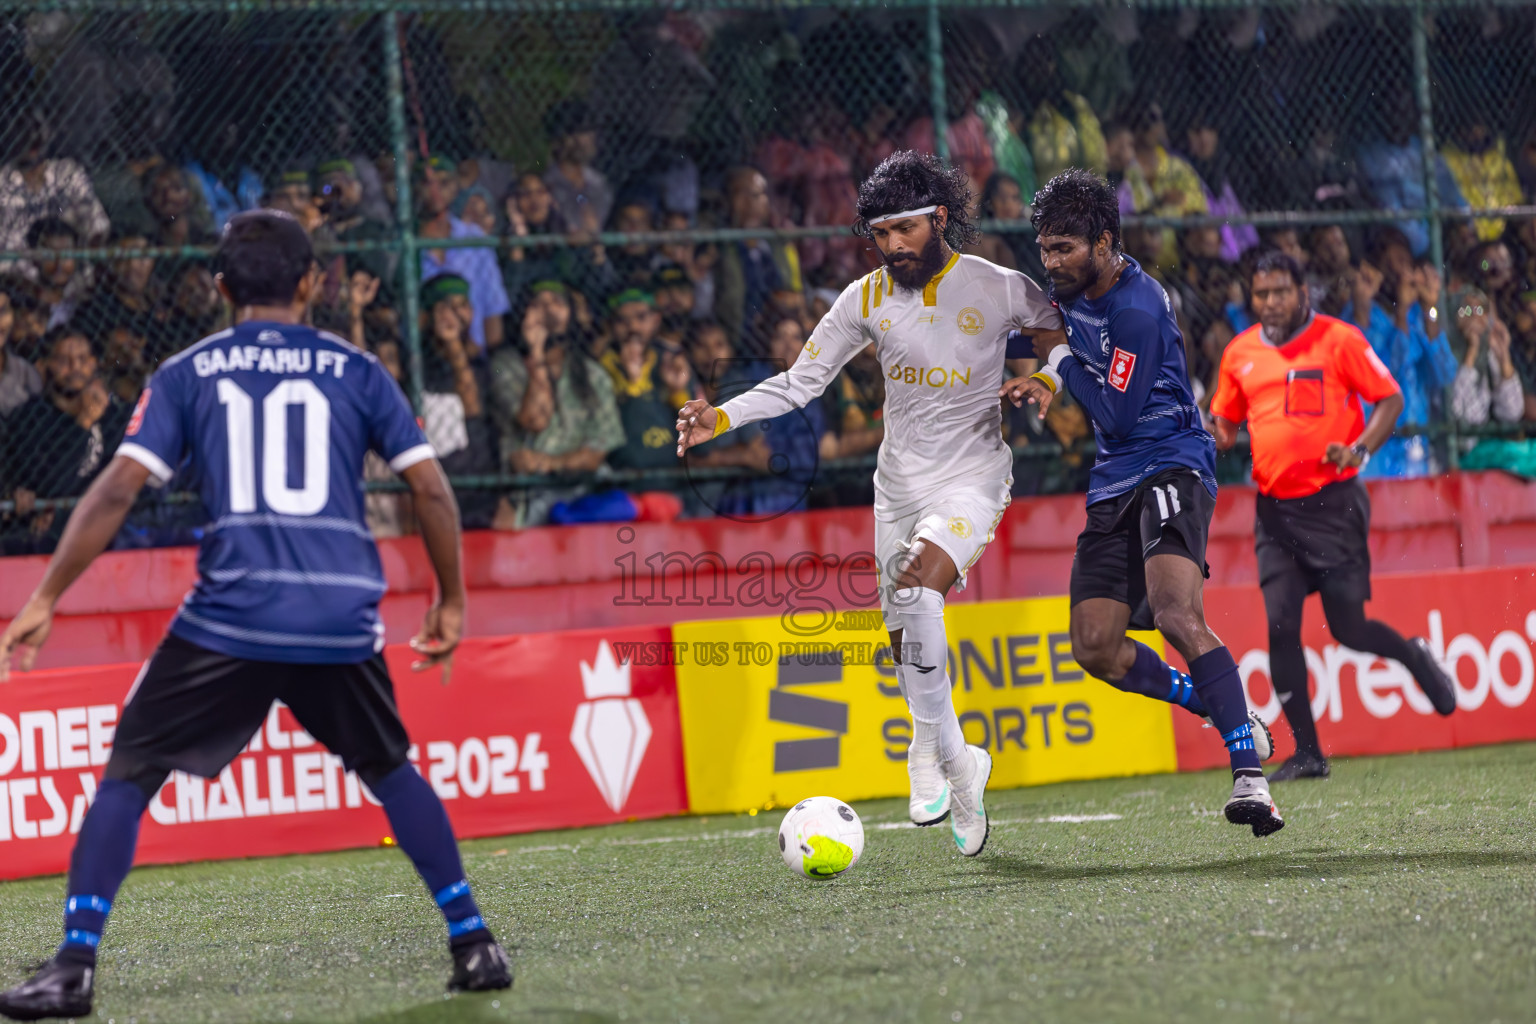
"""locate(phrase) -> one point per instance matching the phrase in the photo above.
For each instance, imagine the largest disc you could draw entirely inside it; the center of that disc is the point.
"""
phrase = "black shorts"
(1318, 542)
(194, 710)
(1167, 514)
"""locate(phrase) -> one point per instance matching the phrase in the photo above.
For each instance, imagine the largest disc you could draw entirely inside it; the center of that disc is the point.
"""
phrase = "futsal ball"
(821, 837)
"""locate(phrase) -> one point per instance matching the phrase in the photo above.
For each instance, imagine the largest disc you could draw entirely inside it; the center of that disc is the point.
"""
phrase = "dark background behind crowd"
(566, 358)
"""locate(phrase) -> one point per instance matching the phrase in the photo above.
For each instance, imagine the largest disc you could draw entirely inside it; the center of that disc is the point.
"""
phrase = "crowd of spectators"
(568, 358)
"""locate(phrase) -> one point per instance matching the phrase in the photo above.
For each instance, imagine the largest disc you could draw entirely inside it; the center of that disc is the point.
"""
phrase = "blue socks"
(422, 829)
(1152, 677)
(1221, 688)
(101, 860)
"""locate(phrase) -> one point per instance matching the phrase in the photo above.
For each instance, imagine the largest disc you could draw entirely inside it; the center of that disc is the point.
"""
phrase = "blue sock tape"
(96, 903)
(464, 927)
(450, 893)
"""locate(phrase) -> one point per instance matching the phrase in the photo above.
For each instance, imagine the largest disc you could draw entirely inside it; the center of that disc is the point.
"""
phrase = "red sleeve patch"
(138, 413)
(1120, 366)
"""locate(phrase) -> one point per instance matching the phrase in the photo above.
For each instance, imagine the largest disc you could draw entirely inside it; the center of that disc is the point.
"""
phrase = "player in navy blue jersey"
(272, 419)
(1140, 561)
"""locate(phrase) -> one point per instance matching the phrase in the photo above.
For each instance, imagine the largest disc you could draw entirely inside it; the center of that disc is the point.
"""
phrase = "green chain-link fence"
(654, 200)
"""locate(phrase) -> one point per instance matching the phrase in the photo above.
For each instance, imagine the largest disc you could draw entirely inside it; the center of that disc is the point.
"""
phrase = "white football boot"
(929, 802)
(967, 809)
(1251, 804)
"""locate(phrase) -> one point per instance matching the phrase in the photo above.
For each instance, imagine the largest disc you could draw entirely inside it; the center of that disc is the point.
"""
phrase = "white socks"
(935, 725)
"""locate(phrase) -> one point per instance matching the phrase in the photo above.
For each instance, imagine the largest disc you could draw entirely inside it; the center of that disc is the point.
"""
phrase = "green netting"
(707, 155)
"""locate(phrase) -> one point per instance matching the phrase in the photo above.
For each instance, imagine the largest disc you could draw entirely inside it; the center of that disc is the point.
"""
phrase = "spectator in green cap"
(453, 389)
(437, 184)
(649, 382)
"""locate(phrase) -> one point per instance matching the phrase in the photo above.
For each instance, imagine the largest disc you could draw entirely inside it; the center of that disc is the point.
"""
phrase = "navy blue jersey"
(272, 421)
(1130, 375)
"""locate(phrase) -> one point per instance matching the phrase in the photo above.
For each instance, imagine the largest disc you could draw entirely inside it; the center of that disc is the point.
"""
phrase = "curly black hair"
(909, 180)
(1080, 204)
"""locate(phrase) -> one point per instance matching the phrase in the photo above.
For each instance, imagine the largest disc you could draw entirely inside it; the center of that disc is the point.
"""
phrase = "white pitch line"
(1054, 819)
(751, 833)
(757, 833)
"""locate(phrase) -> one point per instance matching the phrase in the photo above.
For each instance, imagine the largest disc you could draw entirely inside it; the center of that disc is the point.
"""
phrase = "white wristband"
(1058, 353)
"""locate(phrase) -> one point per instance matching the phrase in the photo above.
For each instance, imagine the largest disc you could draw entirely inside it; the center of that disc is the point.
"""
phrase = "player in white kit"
(939, 322)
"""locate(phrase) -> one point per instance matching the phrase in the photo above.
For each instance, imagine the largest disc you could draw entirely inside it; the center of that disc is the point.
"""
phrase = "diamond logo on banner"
(611, 731)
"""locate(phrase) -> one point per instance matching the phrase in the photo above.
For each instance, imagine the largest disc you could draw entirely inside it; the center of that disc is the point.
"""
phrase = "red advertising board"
(1480, 623)
(525, 733)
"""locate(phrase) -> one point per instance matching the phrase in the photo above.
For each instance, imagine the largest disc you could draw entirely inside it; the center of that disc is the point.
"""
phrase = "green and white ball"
(821, 837)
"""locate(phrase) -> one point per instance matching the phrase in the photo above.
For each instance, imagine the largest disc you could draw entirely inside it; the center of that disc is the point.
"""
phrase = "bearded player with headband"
(940, 323)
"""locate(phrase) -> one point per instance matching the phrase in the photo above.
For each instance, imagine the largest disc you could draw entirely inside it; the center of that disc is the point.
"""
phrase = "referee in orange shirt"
(1298, 378)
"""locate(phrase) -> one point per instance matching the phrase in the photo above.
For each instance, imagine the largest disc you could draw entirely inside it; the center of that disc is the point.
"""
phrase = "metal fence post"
(936, 82)
(410, 267)
(1431, 184)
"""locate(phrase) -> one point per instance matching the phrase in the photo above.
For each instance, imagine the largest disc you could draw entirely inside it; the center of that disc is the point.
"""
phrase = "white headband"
(904, 213)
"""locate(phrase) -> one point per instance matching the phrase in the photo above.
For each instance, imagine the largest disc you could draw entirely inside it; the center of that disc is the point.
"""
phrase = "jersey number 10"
(239, 419)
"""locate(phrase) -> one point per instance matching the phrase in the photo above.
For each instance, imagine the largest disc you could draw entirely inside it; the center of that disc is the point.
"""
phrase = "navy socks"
(1152, 677)
(1221, 689)
(101, 860)
(103, 856)
(422, 829)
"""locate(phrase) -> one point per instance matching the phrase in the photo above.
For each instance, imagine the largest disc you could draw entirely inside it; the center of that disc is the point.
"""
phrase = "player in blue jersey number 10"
(1140, 561)
(286, 602)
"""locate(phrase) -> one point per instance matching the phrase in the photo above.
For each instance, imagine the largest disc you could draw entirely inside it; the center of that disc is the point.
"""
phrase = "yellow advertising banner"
(775, 710)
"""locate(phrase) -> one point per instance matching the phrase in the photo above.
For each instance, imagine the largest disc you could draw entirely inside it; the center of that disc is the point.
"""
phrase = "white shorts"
(962, 523)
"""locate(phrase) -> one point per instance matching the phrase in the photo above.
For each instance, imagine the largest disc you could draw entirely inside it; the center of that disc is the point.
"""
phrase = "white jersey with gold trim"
(942, 350)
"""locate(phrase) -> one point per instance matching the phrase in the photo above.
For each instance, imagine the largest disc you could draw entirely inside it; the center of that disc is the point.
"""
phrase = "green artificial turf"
(1401, 889)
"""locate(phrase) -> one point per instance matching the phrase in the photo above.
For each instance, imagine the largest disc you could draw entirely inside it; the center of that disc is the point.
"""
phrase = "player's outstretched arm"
(437, 512)
(96, 520)
(835, 341)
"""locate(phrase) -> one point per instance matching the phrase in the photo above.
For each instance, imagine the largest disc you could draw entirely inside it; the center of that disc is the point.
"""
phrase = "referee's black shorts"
(194, 710)
(1318, 542)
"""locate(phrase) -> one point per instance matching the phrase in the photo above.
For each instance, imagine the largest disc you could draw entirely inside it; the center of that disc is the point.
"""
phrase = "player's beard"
(1070, 292)
(912, 272)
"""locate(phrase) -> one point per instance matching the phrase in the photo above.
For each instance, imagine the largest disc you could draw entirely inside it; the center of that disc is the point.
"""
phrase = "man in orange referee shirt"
(1298, 378)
